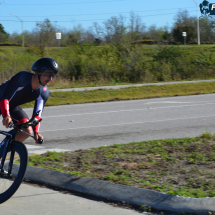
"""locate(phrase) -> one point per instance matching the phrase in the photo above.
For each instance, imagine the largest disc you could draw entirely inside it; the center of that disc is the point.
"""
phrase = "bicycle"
(11, 178)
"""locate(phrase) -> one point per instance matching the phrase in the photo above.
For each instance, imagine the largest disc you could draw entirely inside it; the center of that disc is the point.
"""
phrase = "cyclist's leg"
(18, 114)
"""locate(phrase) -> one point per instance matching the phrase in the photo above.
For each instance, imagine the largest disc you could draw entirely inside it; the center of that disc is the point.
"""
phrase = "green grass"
(175, 166)
(102, 95)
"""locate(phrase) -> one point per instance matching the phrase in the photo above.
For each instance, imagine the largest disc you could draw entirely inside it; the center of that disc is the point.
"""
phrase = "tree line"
(116, 30)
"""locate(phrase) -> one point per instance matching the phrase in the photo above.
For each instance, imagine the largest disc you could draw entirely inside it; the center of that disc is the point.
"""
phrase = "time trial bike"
(12, 174)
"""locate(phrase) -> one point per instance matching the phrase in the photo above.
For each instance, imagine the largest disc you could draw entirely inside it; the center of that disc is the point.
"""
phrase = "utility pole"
(198, 32)
(22, 29)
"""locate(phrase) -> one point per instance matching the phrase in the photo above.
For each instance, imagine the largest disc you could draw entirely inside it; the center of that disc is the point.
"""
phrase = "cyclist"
(26, 87)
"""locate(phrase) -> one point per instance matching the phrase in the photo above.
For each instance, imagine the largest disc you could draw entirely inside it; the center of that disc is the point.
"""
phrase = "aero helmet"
(45, 63)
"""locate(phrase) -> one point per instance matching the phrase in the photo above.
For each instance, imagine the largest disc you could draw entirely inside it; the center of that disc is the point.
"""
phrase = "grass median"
(103, 95)
(183, 167)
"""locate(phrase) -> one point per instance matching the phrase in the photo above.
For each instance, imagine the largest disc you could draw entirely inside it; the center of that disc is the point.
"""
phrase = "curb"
(122, 193)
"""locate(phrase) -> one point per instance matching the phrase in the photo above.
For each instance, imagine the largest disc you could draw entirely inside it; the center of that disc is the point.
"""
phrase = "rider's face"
(47, 76)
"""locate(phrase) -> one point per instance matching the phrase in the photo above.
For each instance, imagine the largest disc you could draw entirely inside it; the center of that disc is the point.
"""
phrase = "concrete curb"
(131, 195)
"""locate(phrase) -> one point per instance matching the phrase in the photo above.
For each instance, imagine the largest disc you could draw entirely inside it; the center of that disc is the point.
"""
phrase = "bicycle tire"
(10, 184)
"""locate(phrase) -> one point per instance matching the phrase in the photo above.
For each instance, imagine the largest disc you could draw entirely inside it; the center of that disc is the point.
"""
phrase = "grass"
(175, 166)
(103, 95)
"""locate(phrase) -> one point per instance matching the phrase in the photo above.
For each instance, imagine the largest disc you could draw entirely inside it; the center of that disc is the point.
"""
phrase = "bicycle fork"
(6, 143)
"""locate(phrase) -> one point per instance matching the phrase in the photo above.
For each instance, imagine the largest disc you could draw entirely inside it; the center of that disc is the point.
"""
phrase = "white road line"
(131, 110)
(99, 126)
(166, 102)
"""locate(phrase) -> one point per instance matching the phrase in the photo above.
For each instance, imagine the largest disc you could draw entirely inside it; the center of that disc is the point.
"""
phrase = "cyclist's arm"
(4, 106)
(39, 106)
(10, 88)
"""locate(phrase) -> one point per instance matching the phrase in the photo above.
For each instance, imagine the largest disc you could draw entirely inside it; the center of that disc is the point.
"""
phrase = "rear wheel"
(9, 183)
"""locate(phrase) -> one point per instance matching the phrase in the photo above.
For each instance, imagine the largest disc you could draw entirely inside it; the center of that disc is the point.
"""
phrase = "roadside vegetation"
(183, 167)
(87, 64)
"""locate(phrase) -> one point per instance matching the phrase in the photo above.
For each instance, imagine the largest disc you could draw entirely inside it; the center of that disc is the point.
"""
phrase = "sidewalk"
(38, 150)
(130, 85)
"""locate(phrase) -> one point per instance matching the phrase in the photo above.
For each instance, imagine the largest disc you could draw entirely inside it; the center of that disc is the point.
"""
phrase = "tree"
(97, 30)
(167, 34)
(3, 34)
(15, 38)
(114, 29)
(207, 32)
(154, 33)
(136, 27)
(29, 38)
(46, 33)
(177, 34)
(184, 23)
(44, 36)
(76, 35)
(88, 37)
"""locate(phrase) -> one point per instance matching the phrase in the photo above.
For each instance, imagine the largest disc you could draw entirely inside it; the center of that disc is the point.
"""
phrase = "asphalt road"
(84, 126)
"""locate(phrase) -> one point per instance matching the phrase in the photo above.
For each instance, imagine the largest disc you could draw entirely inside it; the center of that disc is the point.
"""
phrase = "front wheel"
(9, 183)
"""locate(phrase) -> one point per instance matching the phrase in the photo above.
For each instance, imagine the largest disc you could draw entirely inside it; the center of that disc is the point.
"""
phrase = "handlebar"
(32, 122)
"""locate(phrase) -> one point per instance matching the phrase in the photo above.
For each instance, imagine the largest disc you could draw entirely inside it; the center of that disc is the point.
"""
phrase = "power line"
(96, 19)
(68, 3)
(125, 17)
(106, 13)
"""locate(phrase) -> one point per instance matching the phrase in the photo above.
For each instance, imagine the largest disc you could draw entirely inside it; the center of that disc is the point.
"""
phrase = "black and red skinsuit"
(17, 91)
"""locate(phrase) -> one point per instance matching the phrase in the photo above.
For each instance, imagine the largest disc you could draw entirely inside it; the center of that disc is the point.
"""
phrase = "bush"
(116, 63)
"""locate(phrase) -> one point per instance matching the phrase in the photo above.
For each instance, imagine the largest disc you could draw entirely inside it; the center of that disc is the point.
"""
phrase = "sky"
(67, 14)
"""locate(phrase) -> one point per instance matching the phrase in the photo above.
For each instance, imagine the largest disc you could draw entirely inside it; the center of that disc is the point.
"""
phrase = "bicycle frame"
(6, 142)
(10, 137)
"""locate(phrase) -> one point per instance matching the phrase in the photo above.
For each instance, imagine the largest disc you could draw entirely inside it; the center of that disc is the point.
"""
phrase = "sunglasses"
(49, 74)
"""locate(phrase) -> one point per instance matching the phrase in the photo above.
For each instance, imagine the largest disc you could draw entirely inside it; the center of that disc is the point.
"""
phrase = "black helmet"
(45, 63)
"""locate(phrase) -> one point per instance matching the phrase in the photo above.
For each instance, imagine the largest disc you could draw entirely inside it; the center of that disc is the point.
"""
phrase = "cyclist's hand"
(6, 121)
(37, 136)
